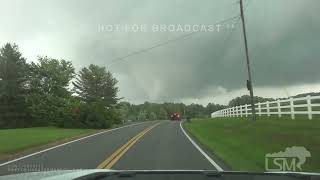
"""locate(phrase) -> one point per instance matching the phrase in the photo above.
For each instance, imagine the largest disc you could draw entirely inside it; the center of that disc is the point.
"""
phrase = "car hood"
(72, 174)
(53, 175)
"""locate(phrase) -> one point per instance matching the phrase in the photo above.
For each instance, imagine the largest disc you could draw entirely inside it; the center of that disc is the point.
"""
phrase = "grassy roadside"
(242, 144)
(16, 140)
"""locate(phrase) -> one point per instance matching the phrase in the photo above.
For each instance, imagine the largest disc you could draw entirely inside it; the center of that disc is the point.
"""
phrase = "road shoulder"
(214, 157)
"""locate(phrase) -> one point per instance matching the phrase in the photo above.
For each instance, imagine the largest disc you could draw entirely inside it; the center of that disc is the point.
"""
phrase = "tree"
(95, 84)
(152, 116)
(49, 99)
(163, 114)
(13, 80)
(124, 108)
(51, 76)
(195, 110)
(142, 116)
(211, 107)
(97, 89)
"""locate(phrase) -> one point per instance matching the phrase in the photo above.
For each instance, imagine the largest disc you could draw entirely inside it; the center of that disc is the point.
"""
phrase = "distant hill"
(245, 99)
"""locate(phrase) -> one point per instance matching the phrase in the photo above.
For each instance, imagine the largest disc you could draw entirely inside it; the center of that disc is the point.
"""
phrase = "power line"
(182, 37)
(228, 37)
(165, 42)
(232, 30)
(237, 22)
(246, 5)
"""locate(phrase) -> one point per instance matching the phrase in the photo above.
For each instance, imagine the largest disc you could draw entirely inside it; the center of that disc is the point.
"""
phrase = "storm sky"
(283, 37)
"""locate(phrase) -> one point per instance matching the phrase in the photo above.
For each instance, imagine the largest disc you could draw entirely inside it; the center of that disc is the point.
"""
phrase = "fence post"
(268, 109)
(259, 108)
(241, 111)
(292, 108)
(279, 109)
(233, 112)
(246, 108)
(309, 107)
(237, 112)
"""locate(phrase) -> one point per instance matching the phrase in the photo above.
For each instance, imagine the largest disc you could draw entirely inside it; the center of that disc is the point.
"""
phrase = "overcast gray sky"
(283, 38)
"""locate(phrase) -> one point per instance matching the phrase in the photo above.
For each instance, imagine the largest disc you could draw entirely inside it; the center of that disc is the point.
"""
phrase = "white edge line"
(54, 147)
(200, 150)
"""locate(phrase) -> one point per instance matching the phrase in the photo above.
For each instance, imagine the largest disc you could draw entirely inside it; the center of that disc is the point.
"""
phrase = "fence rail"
(309, 105)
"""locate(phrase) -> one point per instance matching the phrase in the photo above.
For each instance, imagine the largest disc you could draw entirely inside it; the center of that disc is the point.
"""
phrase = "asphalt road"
(165, 146)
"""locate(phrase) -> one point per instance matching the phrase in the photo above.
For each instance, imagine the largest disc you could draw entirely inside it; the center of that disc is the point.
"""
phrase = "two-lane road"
(152, 145)
(165, 147)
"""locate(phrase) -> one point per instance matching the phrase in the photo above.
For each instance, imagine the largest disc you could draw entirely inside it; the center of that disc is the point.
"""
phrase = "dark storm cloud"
(283, 43)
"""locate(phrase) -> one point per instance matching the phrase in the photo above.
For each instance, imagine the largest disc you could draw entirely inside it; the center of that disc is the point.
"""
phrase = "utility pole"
(249, 82)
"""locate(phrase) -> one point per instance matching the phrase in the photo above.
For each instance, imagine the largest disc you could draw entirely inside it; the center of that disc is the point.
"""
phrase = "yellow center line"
(114, 158)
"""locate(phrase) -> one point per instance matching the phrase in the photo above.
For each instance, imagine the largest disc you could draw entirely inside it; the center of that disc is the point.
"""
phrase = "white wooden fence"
(309, 105)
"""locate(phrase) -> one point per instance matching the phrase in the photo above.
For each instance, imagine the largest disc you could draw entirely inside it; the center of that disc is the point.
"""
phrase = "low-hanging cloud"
(282, 36)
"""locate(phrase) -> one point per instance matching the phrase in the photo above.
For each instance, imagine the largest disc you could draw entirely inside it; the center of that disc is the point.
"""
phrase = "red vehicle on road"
(175, 116)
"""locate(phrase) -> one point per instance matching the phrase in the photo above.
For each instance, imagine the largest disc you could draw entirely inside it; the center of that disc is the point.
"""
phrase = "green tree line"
(162, 111)
(246, 99)
(40, 94)
(152, 111)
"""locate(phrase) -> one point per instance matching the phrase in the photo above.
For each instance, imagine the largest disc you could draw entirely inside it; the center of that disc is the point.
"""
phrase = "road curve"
(150, 145)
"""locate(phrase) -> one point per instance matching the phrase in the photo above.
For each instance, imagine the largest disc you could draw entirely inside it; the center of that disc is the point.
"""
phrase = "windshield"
(224, 85)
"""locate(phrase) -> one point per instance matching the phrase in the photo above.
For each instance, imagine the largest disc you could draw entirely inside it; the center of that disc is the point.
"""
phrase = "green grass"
(15, 140)
(242, 144)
